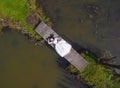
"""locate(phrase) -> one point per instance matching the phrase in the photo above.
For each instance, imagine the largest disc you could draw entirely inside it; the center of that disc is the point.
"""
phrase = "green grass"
(15, 10)
(96, 75)
(18, 10)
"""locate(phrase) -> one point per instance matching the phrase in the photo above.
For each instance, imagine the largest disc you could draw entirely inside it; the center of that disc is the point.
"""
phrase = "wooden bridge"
(73, 57)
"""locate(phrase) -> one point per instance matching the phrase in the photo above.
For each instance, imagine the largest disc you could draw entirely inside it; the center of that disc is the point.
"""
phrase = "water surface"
(89, 23)
(24, 65)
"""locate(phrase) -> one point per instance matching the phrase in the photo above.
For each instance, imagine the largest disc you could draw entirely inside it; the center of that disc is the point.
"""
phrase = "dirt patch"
(32, 20)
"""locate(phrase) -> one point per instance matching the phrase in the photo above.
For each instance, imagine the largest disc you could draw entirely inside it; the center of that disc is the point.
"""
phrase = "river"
(24, 65)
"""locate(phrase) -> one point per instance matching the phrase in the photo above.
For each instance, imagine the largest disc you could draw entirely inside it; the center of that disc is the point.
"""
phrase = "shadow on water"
(35, 86)
(69, 78)
(29, 67)
(106, 61)
(93, 24)
(99, 19)
(6, 29)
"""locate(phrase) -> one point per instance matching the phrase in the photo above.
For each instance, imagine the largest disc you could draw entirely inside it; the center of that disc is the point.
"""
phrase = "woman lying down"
(61, 46)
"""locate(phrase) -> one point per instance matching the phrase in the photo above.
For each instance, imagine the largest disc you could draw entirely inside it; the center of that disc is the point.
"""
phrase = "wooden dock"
(73, 57)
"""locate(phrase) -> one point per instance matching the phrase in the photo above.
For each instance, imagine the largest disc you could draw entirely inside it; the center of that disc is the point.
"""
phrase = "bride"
(61, 46)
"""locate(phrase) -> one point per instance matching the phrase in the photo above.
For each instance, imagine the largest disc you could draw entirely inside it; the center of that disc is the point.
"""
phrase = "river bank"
(22, 17)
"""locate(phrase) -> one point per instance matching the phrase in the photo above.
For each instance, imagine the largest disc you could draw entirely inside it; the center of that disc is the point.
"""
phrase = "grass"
(40, 12)
(96, 75)
(16, 10)
(116, 82)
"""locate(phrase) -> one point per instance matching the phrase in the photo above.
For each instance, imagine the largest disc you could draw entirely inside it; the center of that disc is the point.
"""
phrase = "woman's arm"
(49, 42)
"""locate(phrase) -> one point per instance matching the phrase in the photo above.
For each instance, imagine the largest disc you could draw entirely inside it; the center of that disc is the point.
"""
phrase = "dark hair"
(51, 36)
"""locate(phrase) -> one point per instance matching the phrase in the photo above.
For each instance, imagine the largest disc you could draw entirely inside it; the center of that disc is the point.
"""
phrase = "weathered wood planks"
(73, 57)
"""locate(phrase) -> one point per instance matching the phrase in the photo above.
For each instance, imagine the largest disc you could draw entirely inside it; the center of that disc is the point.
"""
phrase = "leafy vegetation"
(96, 75)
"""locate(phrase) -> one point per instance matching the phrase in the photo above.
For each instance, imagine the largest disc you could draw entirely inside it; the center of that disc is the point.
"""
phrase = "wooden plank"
(45, 31)
(76, 59)
(73, 57)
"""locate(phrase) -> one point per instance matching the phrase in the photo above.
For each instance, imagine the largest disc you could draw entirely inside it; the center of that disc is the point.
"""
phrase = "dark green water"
(89, 23)
(24, 65)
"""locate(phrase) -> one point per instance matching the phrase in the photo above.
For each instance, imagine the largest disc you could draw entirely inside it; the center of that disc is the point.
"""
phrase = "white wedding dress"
(61, 47)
